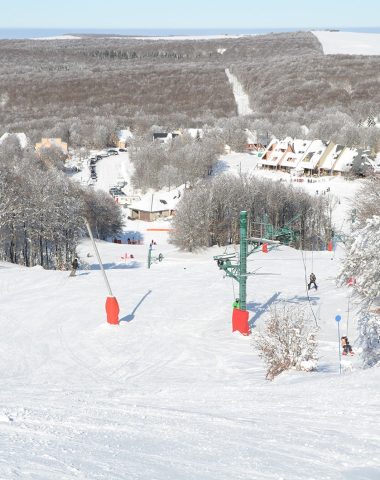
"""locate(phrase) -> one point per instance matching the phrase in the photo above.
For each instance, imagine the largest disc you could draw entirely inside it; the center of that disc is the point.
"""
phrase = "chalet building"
(123, 137)
(196, 133)
(336, 160)
(52, 142)
(315, 157)
(292, 156)
(310, 159)
(164, 137)
(278, 152)
(256, 143)
(153, 206)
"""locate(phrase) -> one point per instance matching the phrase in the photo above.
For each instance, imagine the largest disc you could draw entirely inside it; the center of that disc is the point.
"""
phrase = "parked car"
(123, 150)
(112, 151)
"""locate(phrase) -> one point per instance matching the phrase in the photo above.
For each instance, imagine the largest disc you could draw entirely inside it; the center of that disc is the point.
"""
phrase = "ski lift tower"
(238, 270)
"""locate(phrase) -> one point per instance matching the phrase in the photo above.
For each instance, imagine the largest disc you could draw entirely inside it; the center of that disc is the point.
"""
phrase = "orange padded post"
(112, 309)
(240, 321)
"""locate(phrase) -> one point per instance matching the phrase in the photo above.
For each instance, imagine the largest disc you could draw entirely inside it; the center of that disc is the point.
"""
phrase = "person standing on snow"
(347, 349)
(312, 281)
(74, 266)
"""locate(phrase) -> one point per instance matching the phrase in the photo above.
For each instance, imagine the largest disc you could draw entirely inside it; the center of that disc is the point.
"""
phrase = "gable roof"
(124, 134)
(159, 201)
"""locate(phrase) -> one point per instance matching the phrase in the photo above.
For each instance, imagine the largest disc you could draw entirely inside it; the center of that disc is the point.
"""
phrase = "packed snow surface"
(241, 98)
(171, 393)
(349, 43)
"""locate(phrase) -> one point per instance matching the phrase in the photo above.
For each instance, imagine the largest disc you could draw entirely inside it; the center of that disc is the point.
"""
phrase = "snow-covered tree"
(288, 341)
(362, 263)
(221, 199)
(371, 120)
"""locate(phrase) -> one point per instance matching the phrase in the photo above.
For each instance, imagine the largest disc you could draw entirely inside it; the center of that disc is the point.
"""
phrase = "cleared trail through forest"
(241, 98)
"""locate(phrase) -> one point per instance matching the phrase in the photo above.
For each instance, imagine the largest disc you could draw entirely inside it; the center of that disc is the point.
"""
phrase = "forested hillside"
(72, 88)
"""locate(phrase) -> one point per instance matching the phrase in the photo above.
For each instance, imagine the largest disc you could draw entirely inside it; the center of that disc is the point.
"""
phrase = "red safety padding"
(330, 246)
(112, 309)
(240, 321)
(265, 247)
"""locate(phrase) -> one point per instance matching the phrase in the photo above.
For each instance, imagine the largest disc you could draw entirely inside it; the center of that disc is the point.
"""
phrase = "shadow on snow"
(131, 316)
(116, 266)
(261, 308)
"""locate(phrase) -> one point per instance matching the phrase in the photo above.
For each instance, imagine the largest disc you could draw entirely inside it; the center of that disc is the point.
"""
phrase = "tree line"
(42, 211)
(209, 213)
(183, 159)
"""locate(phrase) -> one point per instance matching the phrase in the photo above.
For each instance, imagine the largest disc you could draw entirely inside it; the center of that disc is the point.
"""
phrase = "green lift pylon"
(238, 271)
(243, 261)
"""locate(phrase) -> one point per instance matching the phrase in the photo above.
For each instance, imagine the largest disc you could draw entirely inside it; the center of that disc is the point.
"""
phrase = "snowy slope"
(349, 43)
(171, 393)
(241, 98)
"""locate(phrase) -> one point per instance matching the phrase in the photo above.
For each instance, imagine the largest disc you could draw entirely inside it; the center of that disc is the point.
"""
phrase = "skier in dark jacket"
(347, 349)
(312, 281)
(74, 266)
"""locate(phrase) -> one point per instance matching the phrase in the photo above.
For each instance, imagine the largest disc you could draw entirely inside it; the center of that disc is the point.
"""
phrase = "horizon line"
(188, 28)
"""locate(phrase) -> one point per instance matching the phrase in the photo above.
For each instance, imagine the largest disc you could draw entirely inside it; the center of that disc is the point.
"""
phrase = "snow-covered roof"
(124, 135)
(312, 155)
(21, 137)
(159, 201)
(195, 132)
(345, 159)
(331, 158)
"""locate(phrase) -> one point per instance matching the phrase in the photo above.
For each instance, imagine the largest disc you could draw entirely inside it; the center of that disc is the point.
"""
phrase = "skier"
(236, 303)
(347, 349)
(312, 281)
(74, 266)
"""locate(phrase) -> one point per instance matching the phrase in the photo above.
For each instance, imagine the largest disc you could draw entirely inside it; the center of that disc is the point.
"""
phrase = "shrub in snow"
(288, 341)
(362, 263)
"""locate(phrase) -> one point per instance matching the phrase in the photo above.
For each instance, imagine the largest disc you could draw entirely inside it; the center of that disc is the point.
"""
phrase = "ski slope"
(241, 98)
(171, 393)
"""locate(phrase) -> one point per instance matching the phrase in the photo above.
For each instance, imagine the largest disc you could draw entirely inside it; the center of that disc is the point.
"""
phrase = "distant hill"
(46, 86)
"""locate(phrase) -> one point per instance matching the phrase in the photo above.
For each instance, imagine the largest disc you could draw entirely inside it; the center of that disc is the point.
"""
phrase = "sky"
(189, 14)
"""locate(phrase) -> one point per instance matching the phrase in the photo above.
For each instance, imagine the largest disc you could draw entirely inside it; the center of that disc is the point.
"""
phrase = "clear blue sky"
(189, 13)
